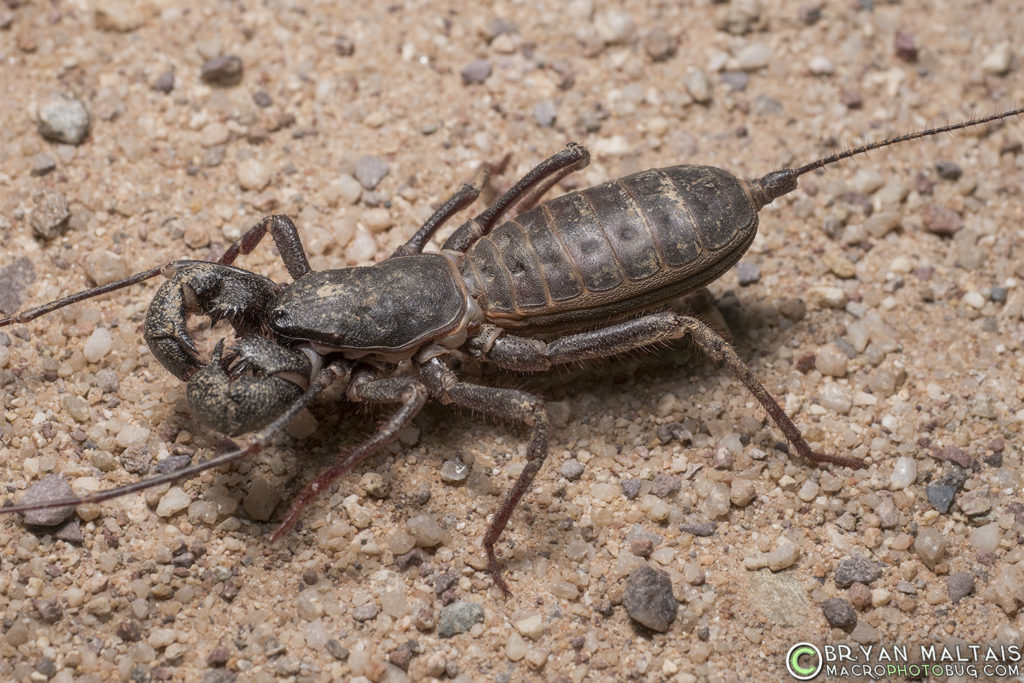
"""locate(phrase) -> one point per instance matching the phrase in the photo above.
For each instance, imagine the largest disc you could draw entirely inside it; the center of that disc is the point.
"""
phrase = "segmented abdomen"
(612, 248)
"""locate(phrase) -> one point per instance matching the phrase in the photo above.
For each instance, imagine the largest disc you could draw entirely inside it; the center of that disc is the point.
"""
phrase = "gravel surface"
(881, 303)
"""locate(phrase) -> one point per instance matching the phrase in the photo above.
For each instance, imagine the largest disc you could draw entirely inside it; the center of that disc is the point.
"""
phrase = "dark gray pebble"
(944, 489)
(262, 99)
(51, 487)
(476, 71)
(47, 667)
(839, 613)
(70, 532)
(998, 295)
(172, 463)
(940, 497)
(337, 650)
(14, 279)
(959, 585)
(948, 170)
(648, 598)
(664, 485)
(164, 82)
(223, 70)
(856, 568)
(458, 617)
(630, 488)
(699, 528)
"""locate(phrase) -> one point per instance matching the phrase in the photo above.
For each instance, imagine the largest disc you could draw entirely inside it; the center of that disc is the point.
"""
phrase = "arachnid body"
(583, 276)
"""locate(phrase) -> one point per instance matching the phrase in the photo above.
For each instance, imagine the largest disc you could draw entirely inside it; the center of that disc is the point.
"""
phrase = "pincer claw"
(257, 382)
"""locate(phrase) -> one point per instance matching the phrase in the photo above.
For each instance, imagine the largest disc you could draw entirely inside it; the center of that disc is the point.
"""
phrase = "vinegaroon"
(583, 276)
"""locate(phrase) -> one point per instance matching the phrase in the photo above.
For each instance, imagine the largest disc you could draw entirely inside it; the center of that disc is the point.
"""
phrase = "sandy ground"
(884, 339)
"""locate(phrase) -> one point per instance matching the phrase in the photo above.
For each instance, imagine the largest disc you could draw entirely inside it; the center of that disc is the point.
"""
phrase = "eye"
(278, 316)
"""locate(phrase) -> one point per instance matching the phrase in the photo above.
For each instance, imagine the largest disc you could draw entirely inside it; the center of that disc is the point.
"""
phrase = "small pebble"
(860, 595)
(864, 633)
(458, 617)
(959, 585)
(648, 598)
(904, 473)
(742, 492)
(454, 471)
(999, 60)
(822, 66)
(905, 46)
(50, 213)
(941, 493)
(375, 485)
(665, 485)
(941, 220)
(51, 487)
(366, 612)
(475, 72)
(370, 170)
(855, 568)
(529, 624)
(948, 170)
(252, 175)
(261, 500)
(754, 56)
(717, 502)
(426, 530)
(571, 469)
(701, 529)
(63, 119)
(41, 164)
(808, 491)
(1006, 590)
(173, 502)
(783, 556)
(104, 267)
(164, 82)
(336, 650)
(515, 647)
(735, 80)
(97, 345)
(223, 70)
(986, 538)
(344, 46)
(698, 86)
(615, 27)
(830, 361)
(976, 502)
(840, 614)
(930, 546)
(132, 436)
(545, 112)
(659, 44)
(630, 488)
(748, 273)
